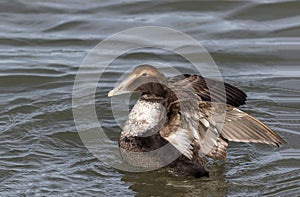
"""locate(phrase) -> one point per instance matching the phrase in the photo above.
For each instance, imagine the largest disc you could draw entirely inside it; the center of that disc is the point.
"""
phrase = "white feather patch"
(204, 122)
(145, 118)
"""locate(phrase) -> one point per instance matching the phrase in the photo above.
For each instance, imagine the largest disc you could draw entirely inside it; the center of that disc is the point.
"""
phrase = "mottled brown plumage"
(198, 116)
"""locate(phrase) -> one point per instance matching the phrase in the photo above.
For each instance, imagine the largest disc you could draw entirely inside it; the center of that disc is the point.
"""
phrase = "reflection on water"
(154, 184)
(256, 45)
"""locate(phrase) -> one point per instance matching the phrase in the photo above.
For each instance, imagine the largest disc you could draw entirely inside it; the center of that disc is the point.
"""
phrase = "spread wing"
(209, 88)
(241, 127)
(192, 132)
(213, 131)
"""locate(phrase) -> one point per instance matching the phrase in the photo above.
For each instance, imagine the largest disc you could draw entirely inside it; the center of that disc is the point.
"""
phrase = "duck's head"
(145, 79)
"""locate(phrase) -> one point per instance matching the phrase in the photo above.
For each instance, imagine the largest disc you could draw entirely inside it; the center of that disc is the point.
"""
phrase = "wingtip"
(281, 142)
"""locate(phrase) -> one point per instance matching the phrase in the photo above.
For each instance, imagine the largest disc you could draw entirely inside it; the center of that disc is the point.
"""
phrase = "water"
(255, 44)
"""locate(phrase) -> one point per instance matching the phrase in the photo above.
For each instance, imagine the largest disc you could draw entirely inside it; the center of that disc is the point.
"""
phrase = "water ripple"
(255, 44)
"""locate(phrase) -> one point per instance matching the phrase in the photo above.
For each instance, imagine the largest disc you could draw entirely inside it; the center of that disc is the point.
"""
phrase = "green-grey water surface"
(256, 46)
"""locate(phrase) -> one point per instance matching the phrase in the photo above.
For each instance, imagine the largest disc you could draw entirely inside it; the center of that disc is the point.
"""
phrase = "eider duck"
(180, 111)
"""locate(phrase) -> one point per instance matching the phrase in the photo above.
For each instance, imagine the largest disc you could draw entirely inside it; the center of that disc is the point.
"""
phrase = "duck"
(194, 118)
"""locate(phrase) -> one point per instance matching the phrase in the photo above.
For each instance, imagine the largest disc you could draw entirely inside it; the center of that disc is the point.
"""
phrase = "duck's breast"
(145, 119)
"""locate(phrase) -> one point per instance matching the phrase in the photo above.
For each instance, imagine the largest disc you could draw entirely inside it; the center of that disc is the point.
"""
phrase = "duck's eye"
(144, 74)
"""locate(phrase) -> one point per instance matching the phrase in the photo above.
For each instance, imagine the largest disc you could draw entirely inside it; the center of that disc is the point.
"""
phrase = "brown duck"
(188, 112)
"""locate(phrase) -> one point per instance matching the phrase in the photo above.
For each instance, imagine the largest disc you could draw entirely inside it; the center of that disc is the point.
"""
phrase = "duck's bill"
(123, 87)
(115, 92)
